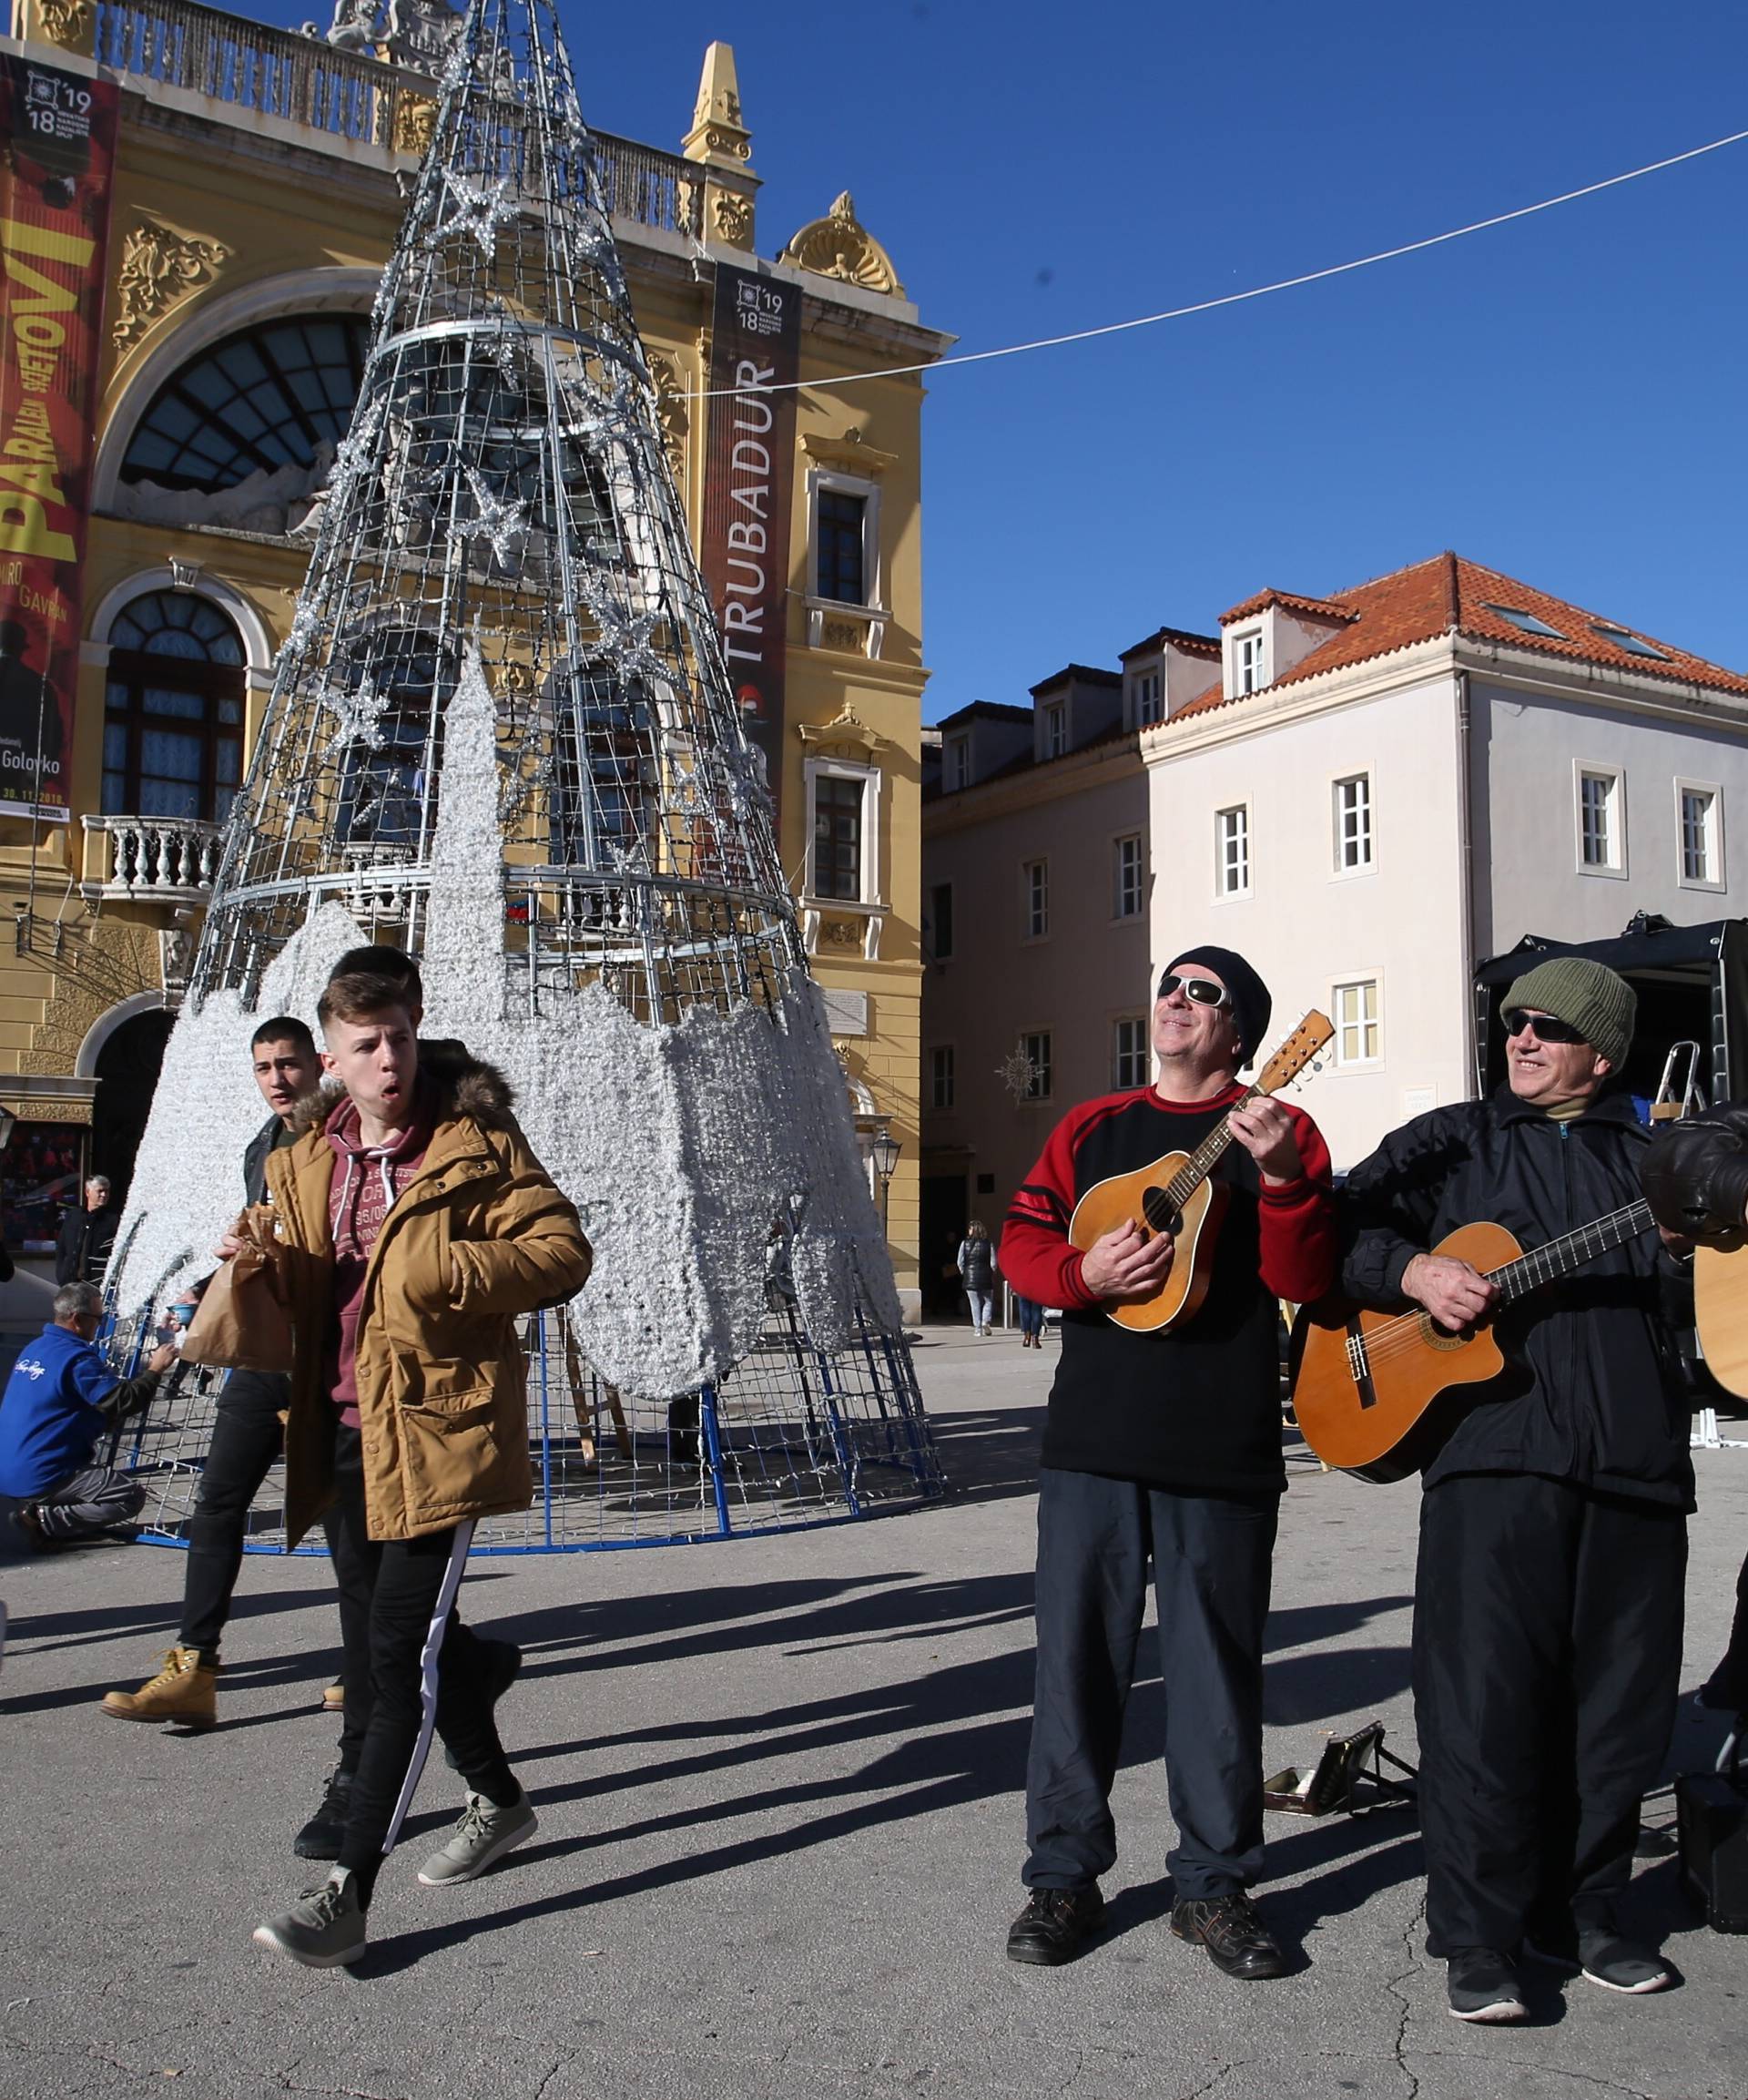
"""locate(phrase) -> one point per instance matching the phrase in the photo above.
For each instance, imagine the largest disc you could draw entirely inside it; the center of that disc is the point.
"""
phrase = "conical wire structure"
(502, 734)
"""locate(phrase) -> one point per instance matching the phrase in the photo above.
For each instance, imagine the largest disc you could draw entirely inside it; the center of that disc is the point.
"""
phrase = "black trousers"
(1211, 1560)
(1547, 1661)
(411, 1665)
(247, 1435)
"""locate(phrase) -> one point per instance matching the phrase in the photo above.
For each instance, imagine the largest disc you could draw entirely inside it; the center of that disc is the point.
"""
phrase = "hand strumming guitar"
(1456, 1295)
(1127, 1264)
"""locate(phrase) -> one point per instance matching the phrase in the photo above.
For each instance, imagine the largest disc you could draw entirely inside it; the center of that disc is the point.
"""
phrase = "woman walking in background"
(977, 1273)
(1030, 1316)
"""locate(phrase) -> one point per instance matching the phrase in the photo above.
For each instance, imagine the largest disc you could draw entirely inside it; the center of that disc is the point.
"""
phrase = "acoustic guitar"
(1363, 1384)
(1174, 1195)
(1720, 1313)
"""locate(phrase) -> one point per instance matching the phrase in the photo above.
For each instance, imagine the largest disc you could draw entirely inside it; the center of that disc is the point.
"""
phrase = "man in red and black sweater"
(1164, 1448)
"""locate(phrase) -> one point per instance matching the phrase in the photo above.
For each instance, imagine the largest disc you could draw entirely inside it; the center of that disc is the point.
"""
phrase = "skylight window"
(1624, 640)
(1526, 622)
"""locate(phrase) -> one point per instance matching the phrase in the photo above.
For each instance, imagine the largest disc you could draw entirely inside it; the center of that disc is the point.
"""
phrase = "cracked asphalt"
(778, 1784)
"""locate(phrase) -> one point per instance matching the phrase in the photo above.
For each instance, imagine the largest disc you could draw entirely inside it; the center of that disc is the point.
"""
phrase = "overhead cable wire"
(1237, 297)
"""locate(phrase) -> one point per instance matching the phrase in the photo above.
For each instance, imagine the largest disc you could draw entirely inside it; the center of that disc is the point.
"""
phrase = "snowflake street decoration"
(531, 773)
(1018, 1074)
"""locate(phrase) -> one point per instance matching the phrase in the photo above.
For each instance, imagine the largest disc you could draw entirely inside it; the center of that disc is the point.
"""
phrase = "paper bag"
(240, 1323)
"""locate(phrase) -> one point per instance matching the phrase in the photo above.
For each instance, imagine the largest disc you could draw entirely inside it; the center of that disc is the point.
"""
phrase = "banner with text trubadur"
(58, 133)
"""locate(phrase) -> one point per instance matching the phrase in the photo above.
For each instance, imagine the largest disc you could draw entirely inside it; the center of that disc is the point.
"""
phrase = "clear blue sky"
(1562, 398)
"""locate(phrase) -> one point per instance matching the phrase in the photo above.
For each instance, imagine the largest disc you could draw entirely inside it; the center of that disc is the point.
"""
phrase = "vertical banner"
(748, 479)
(58, 131)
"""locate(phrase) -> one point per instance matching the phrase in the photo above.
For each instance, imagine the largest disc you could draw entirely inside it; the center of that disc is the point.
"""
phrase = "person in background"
(61, 1401)
(976, 1261)
(1030, 1316)
(87, 1234)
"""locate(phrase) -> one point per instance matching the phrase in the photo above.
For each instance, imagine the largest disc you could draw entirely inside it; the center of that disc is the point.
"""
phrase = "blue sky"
(1562, 398)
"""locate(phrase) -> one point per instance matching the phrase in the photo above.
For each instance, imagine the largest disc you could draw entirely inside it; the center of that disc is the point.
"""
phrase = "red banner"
(748, 479)
(58, 131)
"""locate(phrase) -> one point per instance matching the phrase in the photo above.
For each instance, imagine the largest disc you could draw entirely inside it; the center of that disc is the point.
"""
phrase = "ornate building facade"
(253, 182)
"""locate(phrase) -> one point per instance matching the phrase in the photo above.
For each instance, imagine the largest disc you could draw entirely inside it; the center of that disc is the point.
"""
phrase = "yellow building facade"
(258, 187)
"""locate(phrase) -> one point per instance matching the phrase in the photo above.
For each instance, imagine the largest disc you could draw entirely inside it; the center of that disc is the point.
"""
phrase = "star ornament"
(504, 524)
(1018, 1074)
(479, 210)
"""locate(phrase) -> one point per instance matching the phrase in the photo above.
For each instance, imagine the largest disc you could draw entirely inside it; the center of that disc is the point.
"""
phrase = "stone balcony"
(150, 860)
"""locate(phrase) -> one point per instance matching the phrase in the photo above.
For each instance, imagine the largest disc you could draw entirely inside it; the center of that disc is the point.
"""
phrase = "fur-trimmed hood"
(466, 1086)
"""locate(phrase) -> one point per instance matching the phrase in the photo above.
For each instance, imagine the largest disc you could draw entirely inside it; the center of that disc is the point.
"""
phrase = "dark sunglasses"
(1204, 991)
(1544, 1027)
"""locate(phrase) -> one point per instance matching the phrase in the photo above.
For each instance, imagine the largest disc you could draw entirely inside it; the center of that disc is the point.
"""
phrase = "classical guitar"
(1720, 1313)
(1175, 1196)
(1364, 1382)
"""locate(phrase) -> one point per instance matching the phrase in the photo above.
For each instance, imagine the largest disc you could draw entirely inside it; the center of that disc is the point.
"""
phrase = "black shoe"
(1483, 1986)
(1238, 1943)
(502, 1660)
(1603, 1956)
(1055, 1925)
(320, 1837)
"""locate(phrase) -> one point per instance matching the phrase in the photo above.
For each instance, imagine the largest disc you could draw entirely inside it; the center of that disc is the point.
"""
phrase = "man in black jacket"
(1553, 1534)
(86, 1236)
(246, 1437)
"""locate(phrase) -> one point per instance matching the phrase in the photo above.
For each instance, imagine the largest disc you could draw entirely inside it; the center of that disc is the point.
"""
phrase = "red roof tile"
(1450, 596)
(1319, 609)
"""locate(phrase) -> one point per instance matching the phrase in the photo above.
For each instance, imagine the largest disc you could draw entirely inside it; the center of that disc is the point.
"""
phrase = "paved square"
(779, 1792)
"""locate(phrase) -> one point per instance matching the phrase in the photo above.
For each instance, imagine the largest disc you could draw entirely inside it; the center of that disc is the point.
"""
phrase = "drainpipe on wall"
(1466, 916)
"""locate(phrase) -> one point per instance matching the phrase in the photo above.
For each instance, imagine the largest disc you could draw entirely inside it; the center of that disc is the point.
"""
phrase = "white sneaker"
(485, 1834)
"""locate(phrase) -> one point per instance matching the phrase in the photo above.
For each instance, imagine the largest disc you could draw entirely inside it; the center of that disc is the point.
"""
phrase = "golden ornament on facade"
(734, 217)
(415, 124)
(158, 268)
(670, 407)
(839, 246)
(68, 23)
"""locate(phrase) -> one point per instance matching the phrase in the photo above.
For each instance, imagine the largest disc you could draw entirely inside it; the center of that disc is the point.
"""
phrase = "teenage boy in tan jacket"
(417, 1226)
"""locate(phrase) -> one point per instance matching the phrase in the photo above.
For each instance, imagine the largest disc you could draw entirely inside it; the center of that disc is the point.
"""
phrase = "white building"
(1387, 785)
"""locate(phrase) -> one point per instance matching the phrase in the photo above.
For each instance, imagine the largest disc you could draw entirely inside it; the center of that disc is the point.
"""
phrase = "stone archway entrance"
(127, 1067)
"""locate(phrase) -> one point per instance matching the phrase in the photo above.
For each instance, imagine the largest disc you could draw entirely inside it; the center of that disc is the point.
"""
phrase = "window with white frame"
(1035, 875)
(1056, 730)
(1601, 823)
(1129, 1051)
(843, 529)
(1357, 1022)
(1231, 850)
(1353, 817)
(959, 762)
(941, 1076)
(1248, 651)
(1148, 699)
(1700, 810)
(1126, 877)
(940, 922)
(843, 831)
(1034, 1047)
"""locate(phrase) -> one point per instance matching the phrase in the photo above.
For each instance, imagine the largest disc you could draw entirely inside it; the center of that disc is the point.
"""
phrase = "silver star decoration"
(1018, 1074)
(359, 715)
(479, 210)
(504, 524)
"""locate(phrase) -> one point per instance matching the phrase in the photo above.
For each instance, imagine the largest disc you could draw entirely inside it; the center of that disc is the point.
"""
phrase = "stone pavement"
(778, 1785)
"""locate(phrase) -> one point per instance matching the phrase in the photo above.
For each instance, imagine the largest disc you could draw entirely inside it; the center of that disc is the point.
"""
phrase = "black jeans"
(247, 1435)
(388, 1595)
(1546, 1660)
(1212, 1562)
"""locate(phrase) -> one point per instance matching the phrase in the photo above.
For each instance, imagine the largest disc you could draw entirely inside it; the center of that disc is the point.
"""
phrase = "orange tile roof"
(1319, 609)
(1449, 595)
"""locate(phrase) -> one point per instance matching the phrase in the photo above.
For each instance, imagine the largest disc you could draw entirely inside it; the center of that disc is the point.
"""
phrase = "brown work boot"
(185, 1690)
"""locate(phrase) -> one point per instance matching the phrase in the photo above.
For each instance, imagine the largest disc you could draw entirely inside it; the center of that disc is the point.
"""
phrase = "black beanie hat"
(1251, 1004)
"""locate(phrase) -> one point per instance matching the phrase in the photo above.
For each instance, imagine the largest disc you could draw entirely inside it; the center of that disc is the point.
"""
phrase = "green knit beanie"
(1585, 995)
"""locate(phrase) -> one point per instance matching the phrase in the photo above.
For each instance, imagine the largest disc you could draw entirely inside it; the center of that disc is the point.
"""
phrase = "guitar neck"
(1572, 1250)
(1200, 1163)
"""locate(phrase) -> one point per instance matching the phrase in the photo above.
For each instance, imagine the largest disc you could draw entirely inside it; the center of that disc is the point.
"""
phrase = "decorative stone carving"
(68, 23)
(846, 634)
(159, 268)
(422, 36)
(846, 733)
(718, 130)
(734, 217)
(839, 246)
(415, 124)
(176, 957)
(670, 406)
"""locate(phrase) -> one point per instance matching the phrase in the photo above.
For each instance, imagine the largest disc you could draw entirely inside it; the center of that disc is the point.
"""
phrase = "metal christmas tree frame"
(502, 734)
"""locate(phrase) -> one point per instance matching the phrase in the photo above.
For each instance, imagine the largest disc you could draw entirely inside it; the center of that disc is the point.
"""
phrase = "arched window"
(260, 399)
(173, 709)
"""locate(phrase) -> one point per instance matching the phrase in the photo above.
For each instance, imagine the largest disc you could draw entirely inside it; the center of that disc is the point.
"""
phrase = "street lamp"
(884, 1150)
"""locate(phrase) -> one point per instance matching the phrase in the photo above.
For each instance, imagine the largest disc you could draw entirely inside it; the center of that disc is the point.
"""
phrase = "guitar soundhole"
(1160, 1211)
(1435, 1336)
